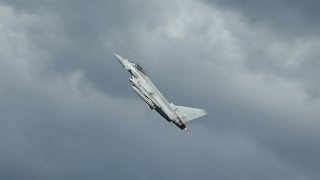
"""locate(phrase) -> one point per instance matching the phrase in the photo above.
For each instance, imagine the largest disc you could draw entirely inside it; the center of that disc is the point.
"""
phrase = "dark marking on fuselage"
(164, 115)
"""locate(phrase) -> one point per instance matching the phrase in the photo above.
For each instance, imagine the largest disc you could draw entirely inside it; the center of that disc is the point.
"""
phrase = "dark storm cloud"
(297, 17)
(86, 27)
(68, 112)
(292, 56)
(295, 25)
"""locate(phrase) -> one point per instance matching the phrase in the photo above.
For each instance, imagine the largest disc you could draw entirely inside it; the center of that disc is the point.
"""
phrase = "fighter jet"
(143, 86)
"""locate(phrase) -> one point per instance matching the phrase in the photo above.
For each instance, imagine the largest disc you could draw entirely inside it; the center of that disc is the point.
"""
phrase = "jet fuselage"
(144, 87)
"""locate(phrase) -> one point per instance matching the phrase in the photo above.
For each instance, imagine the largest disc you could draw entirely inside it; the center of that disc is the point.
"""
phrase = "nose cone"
(124, 62)
(120, 59)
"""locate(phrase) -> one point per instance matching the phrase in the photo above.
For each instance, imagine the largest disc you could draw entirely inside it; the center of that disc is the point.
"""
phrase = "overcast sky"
(67, 110)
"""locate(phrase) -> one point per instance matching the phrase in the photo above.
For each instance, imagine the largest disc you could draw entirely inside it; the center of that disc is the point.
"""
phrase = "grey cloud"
(85, 28)
(287, 44)
(291, 17)
(70, 122)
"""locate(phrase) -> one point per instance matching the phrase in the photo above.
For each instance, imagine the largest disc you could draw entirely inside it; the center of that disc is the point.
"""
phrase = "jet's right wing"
(188, 113)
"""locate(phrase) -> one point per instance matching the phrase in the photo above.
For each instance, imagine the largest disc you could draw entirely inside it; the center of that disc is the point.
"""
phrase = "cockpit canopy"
(140, 68)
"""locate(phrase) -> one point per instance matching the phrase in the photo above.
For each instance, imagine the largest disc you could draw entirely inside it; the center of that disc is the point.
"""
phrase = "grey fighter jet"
(143, 86)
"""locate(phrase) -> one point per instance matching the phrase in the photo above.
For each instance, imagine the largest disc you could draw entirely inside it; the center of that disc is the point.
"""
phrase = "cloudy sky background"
(68, 112)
